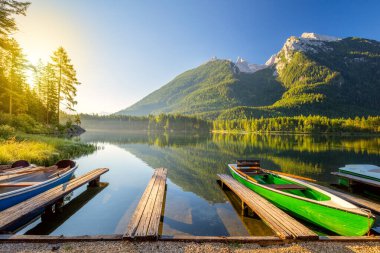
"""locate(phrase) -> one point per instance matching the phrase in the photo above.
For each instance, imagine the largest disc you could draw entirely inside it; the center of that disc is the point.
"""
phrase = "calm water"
(194, 204)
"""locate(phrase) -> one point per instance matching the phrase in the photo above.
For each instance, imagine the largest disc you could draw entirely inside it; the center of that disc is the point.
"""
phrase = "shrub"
(6, 131)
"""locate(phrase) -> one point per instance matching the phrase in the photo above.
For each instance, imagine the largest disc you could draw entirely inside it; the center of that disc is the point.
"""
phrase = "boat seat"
(250, 170)
(286, 186)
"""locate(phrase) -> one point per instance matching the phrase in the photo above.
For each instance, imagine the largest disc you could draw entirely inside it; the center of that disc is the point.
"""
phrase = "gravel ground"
(105, 247)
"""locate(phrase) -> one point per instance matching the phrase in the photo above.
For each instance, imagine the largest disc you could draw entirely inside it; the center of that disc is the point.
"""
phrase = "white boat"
(367, 171)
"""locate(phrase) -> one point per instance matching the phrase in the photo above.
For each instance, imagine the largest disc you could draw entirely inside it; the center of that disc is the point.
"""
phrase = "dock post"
(95, 182)
(58, 205)
(243, 209)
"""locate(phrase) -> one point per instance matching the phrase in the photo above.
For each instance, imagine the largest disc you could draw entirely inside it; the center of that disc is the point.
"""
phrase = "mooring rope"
(369, 216)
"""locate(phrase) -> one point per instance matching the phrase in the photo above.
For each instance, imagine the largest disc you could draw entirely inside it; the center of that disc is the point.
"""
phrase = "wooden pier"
(281, 223)
(353, 179)
(15, 216)
(145, 221)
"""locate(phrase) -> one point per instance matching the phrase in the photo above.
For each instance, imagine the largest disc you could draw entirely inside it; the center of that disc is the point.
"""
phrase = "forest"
(31, 107)
(301, 124)
(28, 108)
(161, 122)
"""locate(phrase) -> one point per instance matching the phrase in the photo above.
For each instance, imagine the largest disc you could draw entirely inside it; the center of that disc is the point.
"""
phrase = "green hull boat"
(305, 201)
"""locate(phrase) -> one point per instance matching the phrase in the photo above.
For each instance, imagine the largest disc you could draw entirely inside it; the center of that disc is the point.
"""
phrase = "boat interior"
(262, 176)
(20, 177)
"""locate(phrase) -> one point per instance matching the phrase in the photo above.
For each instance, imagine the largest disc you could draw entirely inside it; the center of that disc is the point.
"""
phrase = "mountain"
(311, 74)
(213, 86)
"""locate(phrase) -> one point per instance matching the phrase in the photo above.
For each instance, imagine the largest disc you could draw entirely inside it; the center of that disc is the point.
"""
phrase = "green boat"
(303, 200)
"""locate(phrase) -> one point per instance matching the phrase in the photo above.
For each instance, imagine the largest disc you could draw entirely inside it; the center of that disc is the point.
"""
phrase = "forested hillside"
(214, 85)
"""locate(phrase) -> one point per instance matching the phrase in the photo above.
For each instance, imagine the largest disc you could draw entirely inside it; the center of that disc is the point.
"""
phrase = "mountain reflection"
(195, 160)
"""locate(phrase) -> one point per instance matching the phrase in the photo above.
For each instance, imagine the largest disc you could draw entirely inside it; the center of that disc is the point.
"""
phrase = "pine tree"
(9, 8)
(66, 79)
(16, 66)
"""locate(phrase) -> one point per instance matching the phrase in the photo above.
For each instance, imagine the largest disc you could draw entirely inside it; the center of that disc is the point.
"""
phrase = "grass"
(42, 150)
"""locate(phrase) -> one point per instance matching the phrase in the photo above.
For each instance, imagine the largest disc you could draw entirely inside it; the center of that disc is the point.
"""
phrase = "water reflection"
(195, 204)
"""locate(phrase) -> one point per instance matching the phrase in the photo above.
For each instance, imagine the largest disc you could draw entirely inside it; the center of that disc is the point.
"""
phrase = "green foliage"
(41, 149)
(9, 8)
(161, 122)
(23, 123)
(55, 82)
(300, 124)
(6, 132)
(64, 79)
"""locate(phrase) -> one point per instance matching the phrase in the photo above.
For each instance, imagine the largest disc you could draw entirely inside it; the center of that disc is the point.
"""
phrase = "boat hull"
(12, 198)
(338, 221)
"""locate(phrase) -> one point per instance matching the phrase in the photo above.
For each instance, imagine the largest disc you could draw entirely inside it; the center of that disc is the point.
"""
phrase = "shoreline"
(345, 134)
(160, 246)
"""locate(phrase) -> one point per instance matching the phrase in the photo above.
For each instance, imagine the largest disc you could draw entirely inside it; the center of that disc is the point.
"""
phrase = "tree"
(9, 8)
(77, 120)
(66, 79)
(16, 66)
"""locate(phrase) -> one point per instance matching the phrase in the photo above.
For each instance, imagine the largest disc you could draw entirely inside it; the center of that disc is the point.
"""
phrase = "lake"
(194, 202)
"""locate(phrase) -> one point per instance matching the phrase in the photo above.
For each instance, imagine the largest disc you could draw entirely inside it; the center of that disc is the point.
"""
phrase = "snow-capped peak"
(248, 68)
(314, 36)
(271, 60)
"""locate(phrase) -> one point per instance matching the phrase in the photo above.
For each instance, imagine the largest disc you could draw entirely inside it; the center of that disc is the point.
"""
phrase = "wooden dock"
(145, 221)
(15, 216)
(353, 178)
(281, 223)
(356, 200)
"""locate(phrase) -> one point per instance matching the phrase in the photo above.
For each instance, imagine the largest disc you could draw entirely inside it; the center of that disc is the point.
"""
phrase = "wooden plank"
(157, 210)
(147, 214)
(357, 179)
(359, 201)
(282, 224)
(270, 212)
(145, 221)
(30, 208)
(136, 217)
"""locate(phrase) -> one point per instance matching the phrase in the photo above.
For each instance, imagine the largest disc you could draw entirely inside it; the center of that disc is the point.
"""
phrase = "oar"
(289, 175)
(4, 170)
(30, 170)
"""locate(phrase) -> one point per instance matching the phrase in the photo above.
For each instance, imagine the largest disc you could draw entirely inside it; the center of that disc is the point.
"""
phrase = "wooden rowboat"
(303, 200)
(21, 183)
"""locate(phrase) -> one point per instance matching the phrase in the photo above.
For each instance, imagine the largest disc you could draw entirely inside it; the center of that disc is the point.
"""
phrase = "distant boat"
(303, 200)
(365, 171)
(22, 181)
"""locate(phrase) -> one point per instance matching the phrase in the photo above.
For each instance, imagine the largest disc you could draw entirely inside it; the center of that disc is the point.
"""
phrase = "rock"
(74, 130)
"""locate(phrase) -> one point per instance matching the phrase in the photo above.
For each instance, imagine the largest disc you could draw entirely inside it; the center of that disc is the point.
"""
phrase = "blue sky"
(123, 50)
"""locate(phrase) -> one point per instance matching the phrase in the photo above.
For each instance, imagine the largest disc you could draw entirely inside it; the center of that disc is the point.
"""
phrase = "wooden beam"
(145, 221)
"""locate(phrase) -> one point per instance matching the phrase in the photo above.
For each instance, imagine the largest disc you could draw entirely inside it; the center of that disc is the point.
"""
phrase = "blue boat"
(23, 181)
